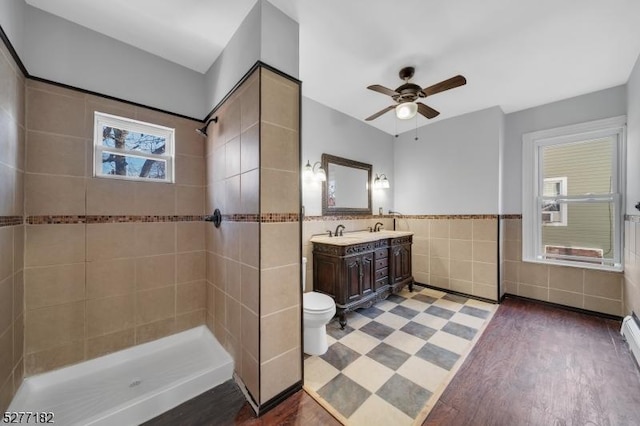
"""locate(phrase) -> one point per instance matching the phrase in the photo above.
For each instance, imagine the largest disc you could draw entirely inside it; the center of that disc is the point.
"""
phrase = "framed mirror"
(347, 190)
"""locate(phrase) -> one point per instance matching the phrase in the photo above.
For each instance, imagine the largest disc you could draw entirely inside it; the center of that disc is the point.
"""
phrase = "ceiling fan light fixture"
(406, 110)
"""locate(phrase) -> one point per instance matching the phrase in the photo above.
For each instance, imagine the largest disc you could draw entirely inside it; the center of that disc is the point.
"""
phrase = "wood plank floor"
(534, 365)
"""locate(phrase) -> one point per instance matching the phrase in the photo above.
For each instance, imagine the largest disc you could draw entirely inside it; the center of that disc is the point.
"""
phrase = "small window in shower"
(132, 150)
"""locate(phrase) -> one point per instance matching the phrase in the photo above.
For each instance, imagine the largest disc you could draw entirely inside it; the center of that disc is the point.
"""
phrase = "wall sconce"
(310, 172)
(381, 181)
(203, 130)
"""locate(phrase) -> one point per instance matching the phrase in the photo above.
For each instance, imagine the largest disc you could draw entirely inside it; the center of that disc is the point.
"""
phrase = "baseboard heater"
(631, 332)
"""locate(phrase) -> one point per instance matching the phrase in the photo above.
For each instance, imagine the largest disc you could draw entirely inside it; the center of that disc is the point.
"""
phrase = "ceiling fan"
(406, 95)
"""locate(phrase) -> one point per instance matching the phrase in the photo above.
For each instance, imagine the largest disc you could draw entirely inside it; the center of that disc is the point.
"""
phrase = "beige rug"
(392, 362)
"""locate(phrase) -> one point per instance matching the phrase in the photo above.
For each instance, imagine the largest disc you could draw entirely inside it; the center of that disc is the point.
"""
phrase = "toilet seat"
(317, 302)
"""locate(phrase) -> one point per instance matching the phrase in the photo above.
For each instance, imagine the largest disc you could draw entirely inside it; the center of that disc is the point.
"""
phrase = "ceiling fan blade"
(382, 89)
(451, 83)
(427, 111)
(379, 113)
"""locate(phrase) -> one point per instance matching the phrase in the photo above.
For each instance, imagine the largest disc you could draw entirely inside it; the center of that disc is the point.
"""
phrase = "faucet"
(329, 231)
(377, 227)
(338, 231)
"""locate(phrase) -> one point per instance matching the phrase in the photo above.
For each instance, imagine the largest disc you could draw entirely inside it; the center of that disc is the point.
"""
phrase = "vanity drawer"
(382, 263)
(382, 273)
(382, 253)
(381, 283)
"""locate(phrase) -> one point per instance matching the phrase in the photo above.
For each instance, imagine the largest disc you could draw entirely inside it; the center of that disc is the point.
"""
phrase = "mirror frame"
(326, 211)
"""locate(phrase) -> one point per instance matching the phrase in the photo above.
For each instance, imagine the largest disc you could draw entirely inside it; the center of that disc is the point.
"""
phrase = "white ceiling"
(515, 54)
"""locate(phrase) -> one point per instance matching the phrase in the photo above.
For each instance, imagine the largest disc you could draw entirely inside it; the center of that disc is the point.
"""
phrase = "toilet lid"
(313, 301)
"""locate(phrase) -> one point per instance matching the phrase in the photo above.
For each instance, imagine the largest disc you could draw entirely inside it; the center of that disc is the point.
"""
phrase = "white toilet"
(317, 311)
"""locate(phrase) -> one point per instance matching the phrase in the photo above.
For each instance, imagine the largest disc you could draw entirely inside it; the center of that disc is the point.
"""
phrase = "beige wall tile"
(50, 359)
(250, 192)
(280, 243)
(155, 238)
(280, 332)
(191, 266)
(110, 241)
(439, 266)
(280, 101)
(438, 281)
(229, 238)
(56, 154)
(566, 298)
(155, 271)
(534, 292)
(54, 285)
(250, 292)
(250, 374)
(461, 286)
(419, 264)
(439, 228)
(603, 284)
(188, 142)
(18, 339)
(250, 333)
(54, 113)
(6, 354)
(110, 197)
(461, 270)
(189, 170)
(18, 248)
(232, 157)
(190, 236)
(566, 278)
(250, 149)
(156, 304)
(485, 273)
(280, 289)
(279, 191)
(439, 247)
(600, 304)
(191, 297)
(511, 271)
(54, 244)
(229, 121)
(512, 250)
(278, 374)
(54, 195)
(155, 330)
(485, 229)
(422, 277)
(220, 310)
(534, 274)
(53, 326)
(486, 291)
(154, 198)
(232, 201)
(6, 304)
(250, 101)
(217, 271)
(7, 190)
(420, 246)
(461, 249)
(110, 314)
(6, 252)
(190, 320)
(513, 229)
(109, 343)
(190, 200)
(461, 229)
(485, 251)
(18, 294)
(233, 283)
(279, 148)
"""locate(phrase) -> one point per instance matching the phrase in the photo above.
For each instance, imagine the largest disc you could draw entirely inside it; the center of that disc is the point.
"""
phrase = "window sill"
(614, 268)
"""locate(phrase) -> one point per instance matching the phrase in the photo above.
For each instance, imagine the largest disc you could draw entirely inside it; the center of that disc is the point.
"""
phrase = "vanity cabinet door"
(360, 276)
(368, 274)
(401, 262)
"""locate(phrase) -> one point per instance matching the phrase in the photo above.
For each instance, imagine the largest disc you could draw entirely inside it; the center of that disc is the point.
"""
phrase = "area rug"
(392, 361)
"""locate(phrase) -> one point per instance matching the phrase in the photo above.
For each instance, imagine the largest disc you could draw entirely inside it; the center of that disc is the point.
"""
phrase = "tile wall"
(95, 288)
(12, 135)
(632, 265)
(253, 259)
(581, 288)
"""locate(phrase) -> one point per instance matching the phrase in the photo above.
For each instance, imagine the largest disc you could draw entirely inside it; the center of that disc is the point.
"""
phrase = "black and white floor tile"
(390, 359)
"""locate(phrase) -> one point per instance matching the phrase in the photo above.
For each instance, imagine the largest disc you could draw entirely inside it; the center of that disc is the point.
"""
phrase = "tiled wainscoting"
(632, 265)
(12, 144)
(577, 287)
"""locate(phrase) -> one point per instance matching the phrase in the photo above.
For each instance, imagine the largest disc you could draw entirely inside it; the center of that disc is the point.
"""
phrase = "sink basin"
(358, 237)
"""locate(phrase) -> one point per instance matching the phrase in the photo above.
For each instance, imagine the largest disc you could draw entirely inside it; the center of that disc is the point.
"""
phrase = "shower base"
(130, 386)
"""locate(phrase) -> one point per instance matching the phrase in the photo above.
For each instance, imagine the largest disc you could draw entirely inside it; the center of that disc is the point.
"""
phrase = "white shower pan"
(130, 386)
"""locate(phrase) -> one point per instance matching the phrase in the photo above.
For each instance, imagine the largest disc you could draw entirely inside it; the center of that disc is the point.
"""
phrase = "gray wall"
(325, 130)
(64, 52)
(633, 140)
(592, 106)
(453, 167)
(266, 34)
(12, 20)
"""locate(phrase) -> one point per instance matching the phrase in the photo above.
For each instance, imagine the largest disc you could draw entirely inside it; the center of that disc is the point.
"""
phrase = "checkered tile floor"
(390, 359)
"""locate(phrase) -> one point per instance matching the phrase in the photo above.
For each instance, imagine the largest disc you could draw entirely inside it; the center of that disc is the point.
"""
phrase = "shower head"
(203, 130)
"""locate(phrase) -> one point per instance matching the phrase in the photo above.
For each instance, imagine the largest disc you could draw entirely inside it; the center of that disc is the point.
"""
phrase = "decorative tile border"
(240, 217)
(263, 217)
(406, 216)
(632, 217)
(510, 216)
(54, 220)
(10, 221)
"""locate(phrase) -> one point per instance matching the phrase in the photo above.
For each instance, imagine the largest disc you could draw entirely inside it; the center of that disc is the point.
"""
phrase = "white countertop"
(350, 238)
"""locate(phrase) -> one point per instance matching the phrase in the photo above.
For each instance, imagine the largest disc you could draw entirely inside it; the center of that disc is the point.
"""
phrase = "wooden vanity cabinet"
(358, 275)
